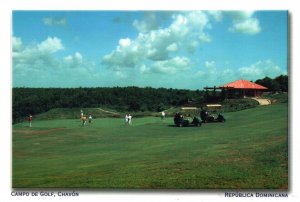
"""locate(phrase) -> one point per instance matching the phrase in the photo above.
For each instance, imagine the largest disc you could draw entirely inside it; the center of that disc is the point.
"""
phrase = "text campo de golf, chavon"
(256, 194)
(45, 193)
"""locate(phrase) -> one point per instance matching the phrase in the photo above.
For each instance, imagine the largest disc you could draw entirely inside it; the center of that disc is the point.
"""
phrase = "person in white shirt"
(163, 114)
(126, 119)
(90, 119)
(129, 119)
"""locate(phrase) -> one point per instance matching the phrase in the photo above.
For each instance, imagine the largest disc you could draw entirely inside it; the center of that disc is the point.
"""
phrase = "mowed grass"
(249, 151)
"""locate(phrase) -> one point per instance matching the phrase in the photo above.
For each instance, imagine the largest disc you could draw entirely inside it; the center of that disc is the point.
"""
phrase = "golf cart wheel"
(222, 120)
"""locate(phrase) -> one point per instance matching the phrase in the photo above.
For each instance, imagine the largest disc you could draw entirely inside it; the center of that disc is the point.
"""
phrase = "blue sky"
(174, 49)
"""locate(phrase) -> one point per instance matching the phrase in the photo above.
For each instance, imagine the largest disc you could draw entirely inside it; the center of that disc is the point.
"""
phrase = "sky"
(170, 49)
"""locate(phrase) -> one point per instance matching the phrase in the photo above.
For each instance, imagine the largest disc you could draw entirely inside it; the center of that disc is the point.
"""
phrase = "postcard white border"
(6, 8)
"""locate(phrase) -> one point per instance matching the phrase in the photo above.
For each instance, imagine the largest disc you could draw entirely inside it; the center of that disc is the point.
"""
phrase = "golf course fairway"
(248, 151)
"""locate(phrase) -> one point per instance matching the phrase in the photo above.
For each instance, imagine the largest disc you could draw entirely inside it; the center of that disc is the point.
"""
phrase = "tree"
(134, 106)
(160, 107)
(280, 83)
(283, 82)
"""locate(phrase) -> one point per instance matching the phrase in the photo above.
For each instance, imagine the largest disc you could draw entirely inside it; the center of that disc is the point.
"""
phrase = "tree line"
(278, 84)
(38, 100)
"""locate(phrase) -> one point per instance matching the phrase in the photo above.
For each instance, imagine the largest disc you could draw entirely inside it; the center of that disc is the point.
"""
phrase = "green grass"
(73, 113)
(229, 105)
(277, 97)
(249, 151)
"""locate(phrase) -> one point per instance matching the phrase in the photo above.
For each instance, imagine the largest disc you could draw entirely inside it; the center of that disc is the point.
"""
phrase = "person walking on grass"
(126, 119)
(90, 120)
(163, 115)
(129, 119)
(83, 119)
(30, 120)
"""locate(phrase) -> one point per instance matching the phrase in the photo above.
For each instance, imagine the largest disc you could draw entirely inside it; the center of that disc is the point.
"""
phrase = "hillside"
(73, 113)
(122, 99)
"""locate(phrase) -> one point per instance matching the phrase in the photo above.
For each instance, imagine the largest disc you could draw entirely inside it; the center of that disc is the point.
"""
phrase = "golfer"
(126, 119)
(83, 119)
(129, 119)
(90, 119)
(29, 120)
(163, 114)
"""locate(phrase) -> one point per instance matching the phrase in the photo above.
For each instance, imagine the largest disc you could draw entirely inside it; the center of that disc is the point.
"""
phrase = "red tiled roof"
(244, 84)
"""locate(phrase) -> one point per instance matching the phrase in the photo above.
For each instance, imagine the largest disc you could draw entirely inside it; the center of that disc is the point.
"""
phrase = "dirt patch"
(279, 139)
(273, 141)
(233, 156)
(38, 132)
(19, 154)
(240, 159)
(110, 112)
(262, 101)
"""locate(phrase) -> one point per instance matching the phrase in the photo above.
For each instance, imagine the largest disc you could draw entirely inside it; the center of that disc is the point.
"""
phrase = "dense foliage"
(38, 100)
(279, 83)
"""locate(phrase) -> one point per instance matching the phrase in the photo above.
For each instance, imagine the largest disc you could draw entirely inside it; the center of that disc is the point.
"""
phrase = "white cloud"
(120, 75)
(144, 69)
(192, 46)
(74, 61)
(244, 22)
(172, 47)
(156, 43)
(68, 59)
(37, 65)
(50, 45)
(50, 21)
(249, 26)
(214, 75)
(241, 15)
(171, 66)
(148, 23)
(78, 57)
(37, 57)
(209, 64)
(124, 42)
(16, 44)
(184, 33)
(217, 15)
(199, 74)
(204, 37)
(125, 56)
(197, 19)
(260, 69)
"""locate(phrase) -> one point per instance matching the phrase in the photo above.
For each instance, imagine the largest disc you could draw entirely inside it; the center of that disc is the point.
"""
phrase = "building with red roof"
(243, 88)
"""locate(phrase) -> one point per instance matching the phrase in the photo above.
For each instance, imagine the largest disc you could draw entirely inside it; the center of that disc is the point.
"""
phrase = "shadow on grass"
(189, 126)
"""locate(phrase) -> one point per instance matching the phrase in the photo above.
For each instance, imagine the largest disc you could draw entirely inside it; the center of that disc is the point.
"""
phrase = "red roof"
(244, 84)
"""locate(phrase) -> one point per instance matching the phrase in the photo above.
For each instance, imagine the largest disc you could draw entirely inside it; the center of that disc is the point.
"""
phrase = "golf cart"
(209, 115)
(180, 121)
